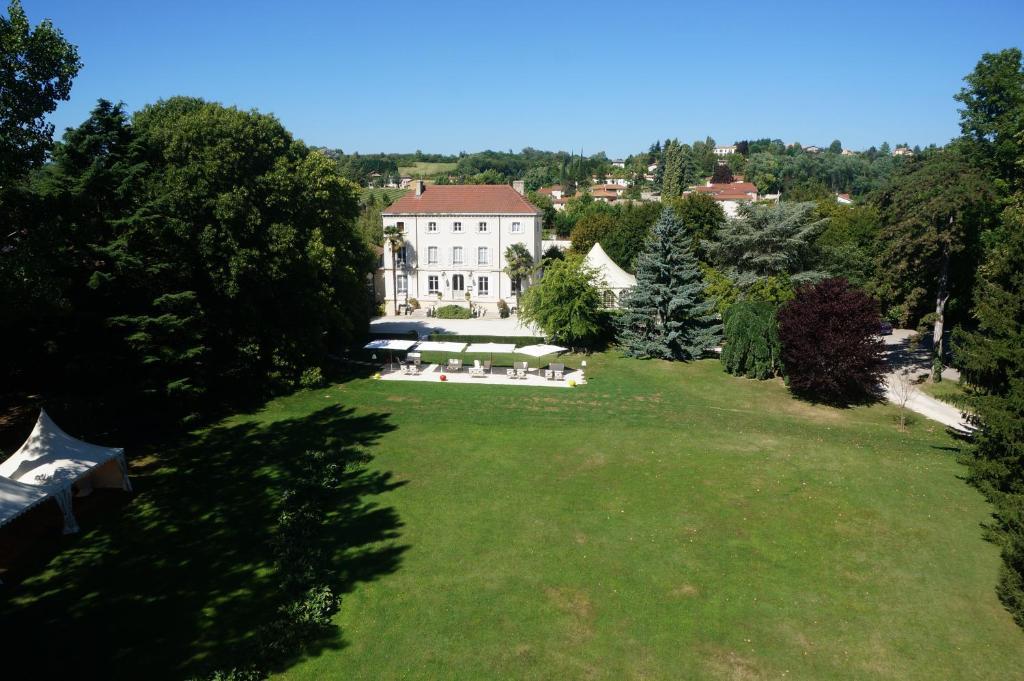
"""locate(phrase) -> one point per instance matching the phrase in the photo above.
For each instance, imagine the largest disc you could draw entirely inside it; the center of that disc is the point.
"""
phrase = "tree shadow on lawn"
(175, 583)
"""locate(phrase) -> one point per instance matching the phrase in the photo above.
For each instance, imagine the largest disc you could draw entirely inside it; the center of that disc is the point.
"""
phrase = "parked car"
(885, 329)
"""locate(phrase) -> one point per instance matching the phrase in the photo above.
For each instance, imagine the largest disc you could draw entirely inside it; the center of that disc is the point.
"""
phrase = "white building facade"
(455, 238)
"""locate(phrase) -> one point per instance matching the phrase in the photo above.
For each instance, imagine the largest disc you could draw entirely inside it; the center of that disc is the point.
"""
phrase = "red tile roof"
(463, 198)
(731, 191)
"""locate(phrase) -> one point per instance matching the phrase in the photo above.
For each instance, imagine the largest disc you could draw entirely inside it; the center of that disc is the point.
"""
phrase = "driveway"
(900, 355)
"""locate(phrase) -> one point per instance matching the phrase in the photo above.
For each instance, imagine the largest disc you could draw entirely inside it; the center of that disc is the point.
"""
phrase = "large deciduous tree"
(701, 216)
(831, 351)
(37, 66)
(667, 315)
(566, 303)
(992, 117)
(193, 255)
(933, 214)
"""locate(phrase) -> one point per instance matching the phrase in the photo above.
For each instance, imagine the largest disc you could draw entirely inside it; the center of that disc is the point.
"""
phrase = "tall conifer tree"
(666, 315)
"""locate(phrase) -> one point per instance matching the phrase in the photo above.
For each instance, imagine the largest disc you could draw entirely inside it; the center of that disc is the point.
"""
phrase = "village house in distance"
(455, 242)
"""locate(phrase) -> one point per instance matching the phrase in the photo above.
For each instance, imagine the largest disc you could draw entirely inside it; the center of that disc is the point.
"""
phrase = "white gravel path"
(919, 402)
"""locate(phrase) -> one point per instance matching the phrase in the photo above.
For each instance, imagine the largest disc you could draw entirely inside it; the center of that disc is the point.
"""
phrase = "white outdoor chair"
(558, 375)
(521, 373)
(548, 374)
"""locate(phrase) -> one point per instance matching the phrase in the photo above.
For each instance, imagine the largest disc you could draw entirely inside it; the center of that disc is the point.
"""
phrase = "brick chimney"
(419, 187)
(519, 186)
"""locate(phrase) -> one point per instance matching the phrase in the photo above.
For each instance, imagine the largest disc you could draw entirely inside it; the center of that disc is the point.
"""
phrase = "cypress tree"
(672, 179)
(666, 315)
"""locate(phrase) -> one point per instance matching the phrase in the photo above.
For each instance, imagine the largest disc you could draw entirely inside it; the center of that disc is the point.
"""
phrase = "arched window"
(608, 298)
(458, 282)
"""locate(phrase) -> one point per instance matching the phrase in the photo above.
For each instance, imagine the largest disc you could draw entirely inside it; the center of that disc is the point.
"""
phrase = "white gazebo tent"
(53, 461)
(17, 497)
(616, 280)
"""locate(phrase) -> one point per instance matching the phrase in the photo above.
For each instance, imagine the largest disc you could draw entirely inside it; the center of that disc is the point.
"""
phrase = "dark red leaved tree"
(830, 344)
(722, 175)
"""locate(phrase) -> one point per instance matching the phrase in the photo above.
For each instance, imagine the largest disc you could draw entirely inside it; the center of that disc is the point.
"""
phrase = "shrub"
(752, 347)
(414, 303)
(312, 377)
(503, 310)
(830, 348)
(453, 312)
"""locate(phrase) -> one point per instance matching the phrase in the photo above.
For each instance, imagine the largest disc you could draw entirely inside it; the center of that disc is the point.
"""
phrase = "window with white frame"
(458, 282)
(457, 255)
(401, 227)
(431, 226)
(402, 283)
(431, 255)
(402, 256)
(517, 228)
(517, 286)
(432, 284)
(481, 255)
(481, 227)
(456, 226)
(482, 286)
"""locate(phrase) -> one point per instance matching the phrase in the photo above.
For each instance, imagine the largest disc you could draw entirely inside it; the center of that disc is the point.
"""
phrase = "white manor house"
(455, 242)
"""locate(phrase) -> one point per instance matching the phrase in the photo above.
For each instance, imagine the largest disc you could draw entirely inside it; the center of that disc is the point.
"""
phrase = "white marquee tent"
(616, 280)
(51, 461)
(17, 497)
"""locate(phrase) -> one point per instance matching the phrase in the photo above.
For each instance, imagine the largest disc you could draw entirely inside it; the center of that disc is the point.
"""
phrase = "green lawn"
(666, 521)
(427, 169)
(947, 391)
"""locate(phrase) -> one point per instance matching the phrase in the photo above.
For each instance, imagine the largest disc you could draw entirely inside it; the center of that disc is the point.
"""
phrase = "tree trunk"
(941, 296)
(394, 280)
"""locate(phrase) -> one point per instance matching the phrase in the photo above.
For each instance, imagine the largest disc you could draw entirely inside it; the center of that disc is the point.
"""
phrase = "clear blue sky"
(451, 76)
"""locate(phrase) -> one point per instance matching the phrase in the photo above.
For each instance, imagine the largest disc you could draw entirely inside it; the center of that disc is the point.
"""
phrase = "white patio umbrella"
(440, 346)
(389, 344)
(540, 350)
(491, 348)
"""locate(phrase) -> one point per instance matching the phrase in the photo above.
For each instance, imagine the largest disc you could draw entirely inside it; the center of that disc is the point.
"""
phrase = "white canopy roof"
(17, 497)
(389, 344)
(491, 347)
(540, 350)
(440, 346)
(51, 458)
(614, 276)
(51, 461)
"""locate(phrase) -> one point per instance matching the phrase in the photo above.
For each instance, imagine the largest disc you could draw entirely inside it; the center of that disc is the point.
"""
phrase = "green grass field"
(426, 169)
(382, 194)
(666, 521)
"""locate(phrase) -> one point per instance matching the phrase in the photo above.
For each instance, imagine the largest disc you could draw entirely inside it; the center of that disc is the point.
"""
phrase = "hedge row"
(516, 340)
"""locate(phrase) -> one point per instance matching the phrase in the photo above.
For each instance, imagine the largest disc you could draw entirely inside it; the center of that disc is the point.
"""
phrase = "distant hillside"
(426, 169)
